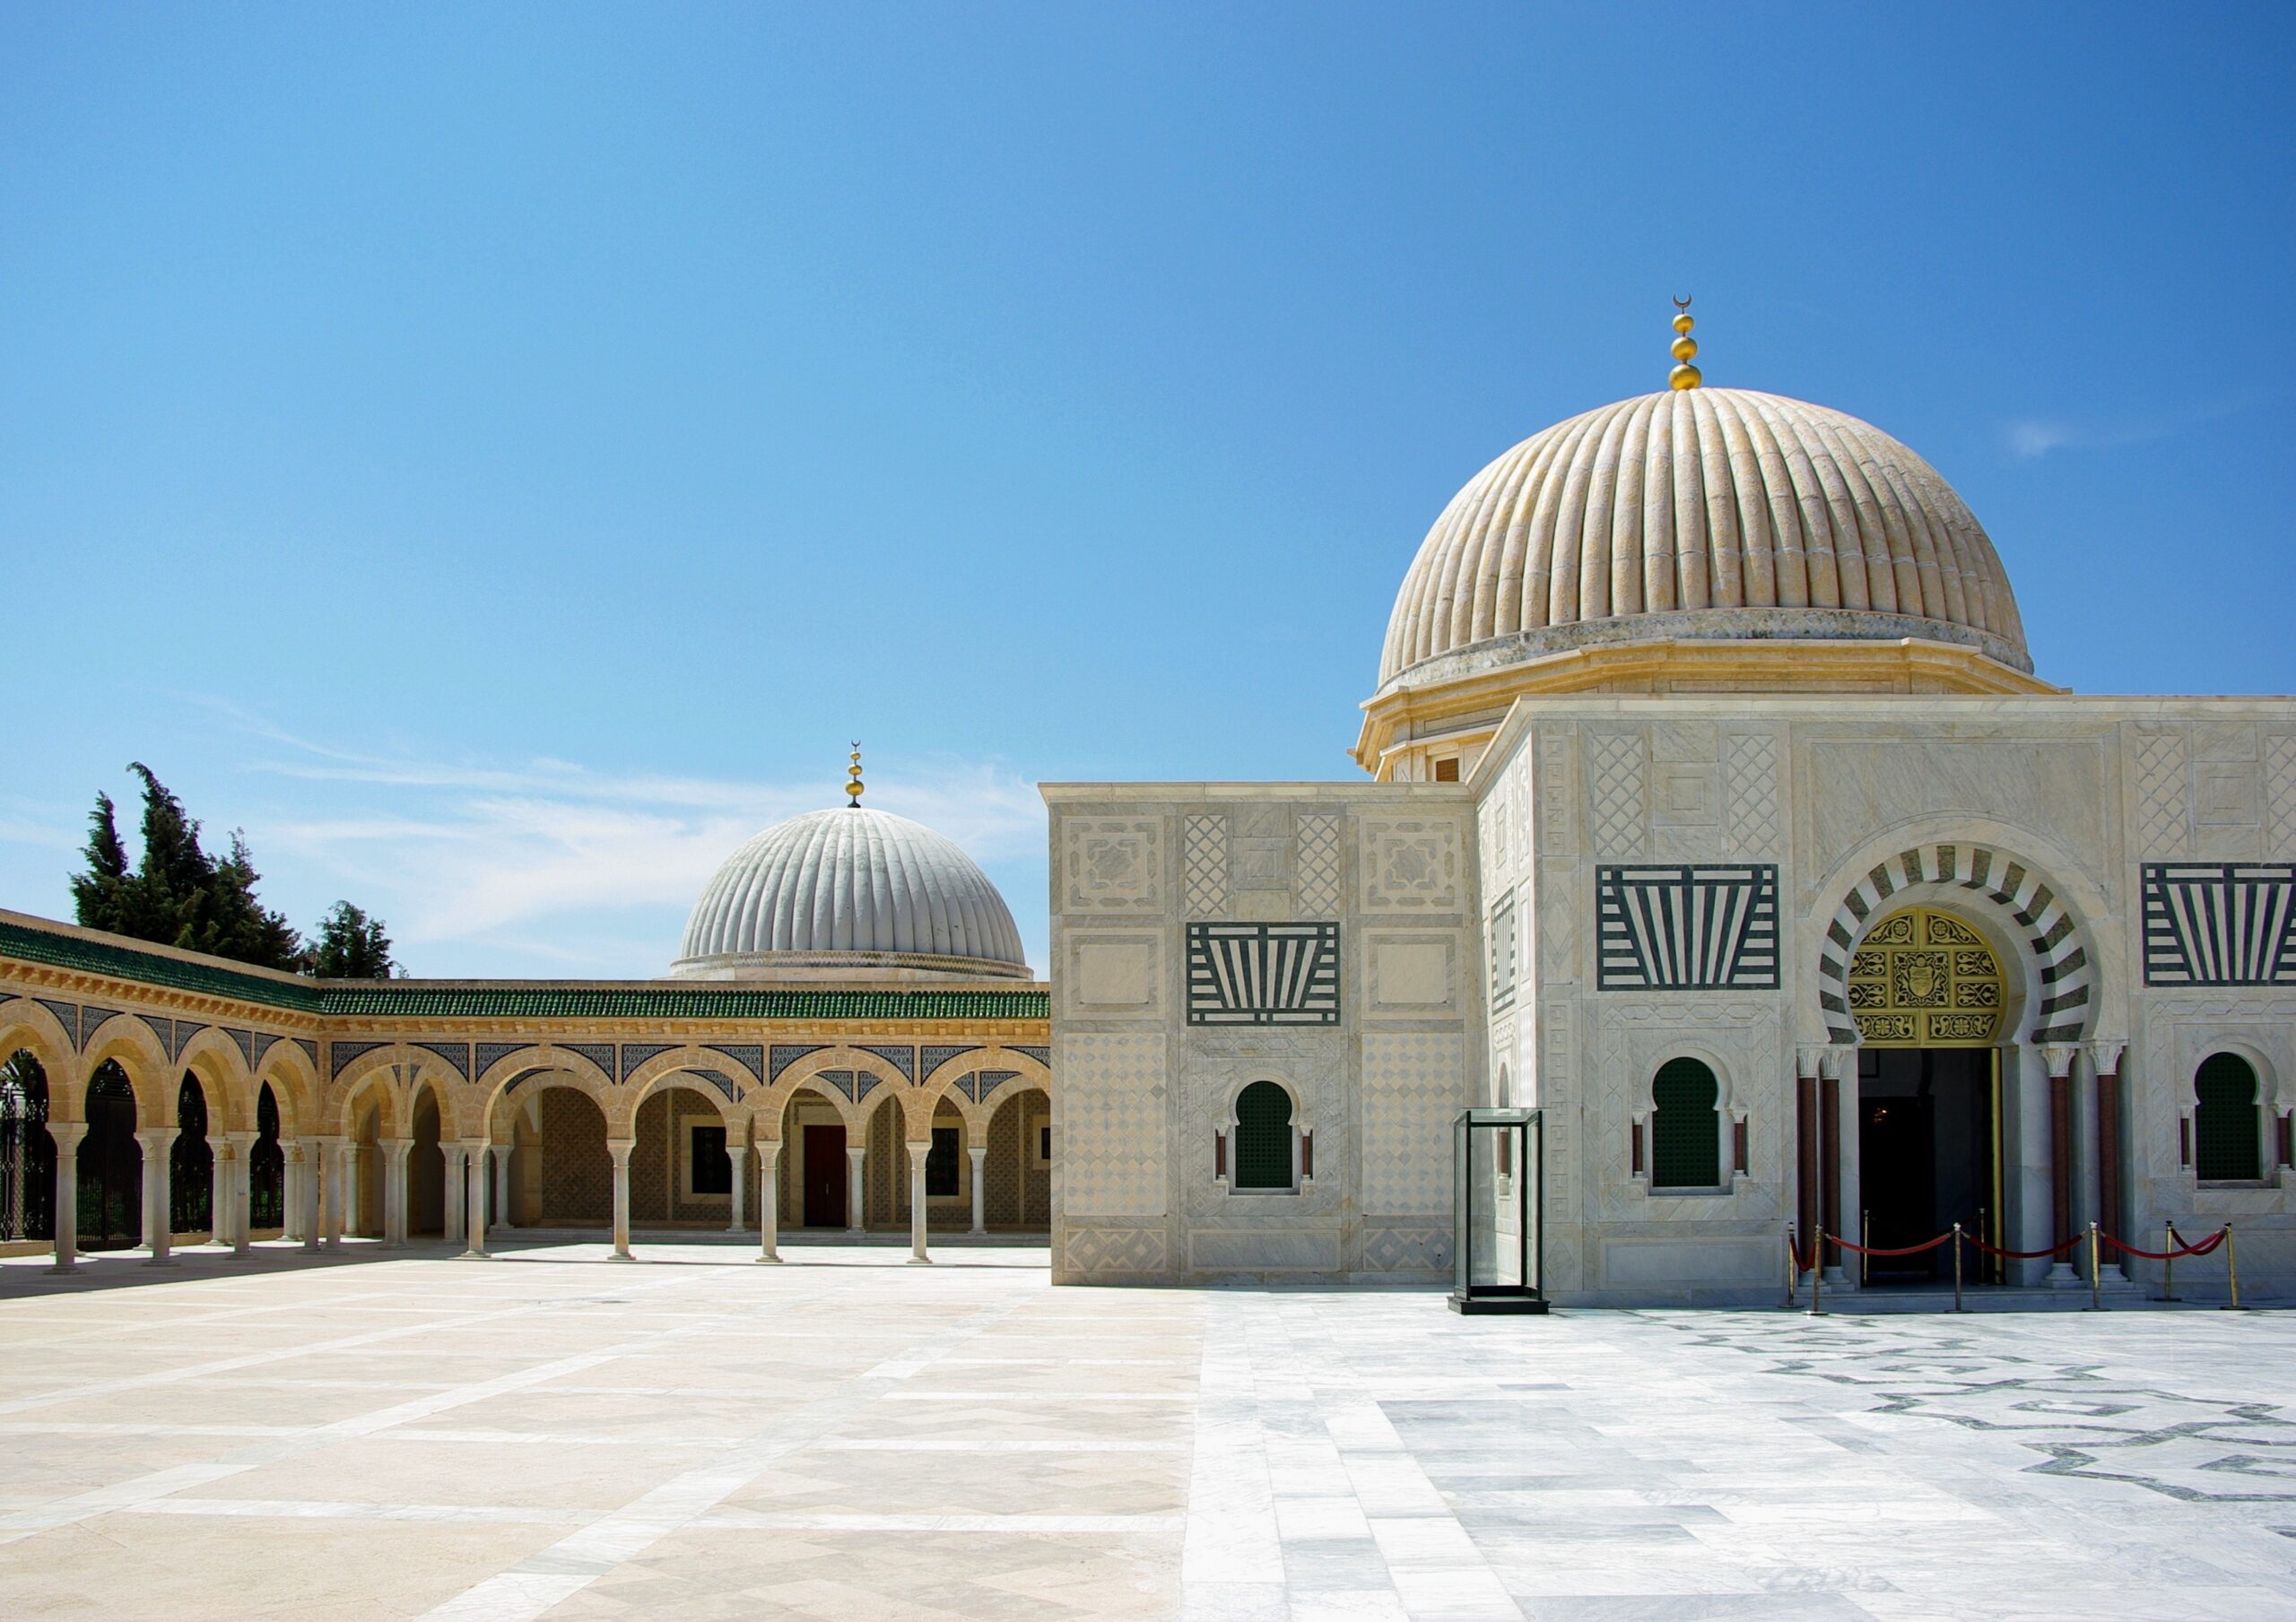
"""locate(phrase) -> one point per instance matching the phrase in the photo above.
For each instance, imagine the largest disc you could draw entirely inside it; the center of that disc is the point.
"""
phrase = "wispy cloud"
(2028, 438)
(552, 860)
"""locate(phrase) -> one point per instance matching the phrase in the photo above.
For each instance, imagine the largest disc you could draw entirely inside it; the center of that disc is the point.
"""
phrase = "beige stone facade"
(453, 1108)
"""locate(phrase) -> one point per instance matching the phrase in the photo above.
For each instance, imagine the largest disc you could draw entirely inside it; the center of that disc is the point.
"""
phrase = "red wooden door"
(824, 1176)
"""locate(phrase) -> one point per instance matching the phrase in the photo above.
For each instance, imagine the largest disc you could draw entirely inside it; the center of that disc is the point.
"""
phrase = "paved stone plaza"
(695, 1436)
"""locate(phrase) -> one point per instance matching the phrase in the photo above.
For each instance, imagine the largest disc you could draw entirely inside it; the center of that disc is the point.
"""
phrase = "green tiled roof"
(368, 999)
(416, 999)
(101, 957)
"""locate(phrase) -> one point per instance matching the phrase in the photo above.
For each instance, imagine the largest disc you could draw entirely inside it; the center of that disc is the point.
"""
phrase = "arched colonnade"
(401, 1143)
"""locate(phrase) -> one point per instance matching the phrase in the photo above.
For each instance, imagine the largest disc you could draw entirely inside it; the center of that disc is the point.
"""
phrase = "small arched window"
(1685, 1129)
(2224, 1122)
(1264, 1137)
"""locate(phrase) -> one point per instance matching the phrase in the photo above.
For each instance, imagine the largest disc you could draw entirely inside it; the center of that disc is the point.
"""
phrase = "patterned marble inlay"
(1205, 864)
(1316, 874)
(1413, 1083)
(1112, 1131)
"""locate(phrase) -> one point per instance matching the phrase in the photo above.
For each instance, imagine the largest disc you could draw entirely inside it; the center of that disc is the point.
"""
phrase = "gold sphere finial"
(1684, 375)
(854, 786)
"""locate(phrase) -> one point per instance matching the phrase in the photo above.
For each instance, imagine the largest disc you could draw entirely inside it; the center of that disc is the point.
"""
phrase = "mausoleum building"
(1717, 813)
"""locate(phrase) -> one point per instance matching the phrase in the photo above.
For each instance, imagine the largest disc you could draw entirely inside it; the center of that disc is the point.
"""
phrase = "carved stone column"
(335, 1197)
(738, 1153)
(619, 1149)
(450, 1189)
(2104, 1060)
(474, 1158)
(158, 1202)
(501, 1157)
(242, 1191)
(314, 1225)
(916, 1154)
(768, 1200)
(980, 1153)
(1806, 1205)
(2059, 1056)
(395, 1153)
(857, 1189)
(66, 1135)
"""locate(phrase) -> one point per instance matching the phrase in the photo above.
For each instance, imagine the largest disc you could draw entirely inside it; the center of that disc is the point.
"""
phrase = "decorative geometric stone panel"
(1750, 779)
(1316, 875)
(1113, 865)
(2280, 790)
(2220, 924)
(1405, 1250)
(1115, 1250)
(455, 1053)
(1411, 864)
(1112, 1101)
(1413, 1084)
(1263, 974)
(1203, 865)
(1617, 792)
(1687, 928)
(2162, 791)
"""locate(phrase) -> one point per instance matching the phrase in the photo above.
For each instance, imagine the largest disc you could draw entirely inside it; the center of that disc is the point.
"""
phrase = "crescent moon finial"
(1682, 304)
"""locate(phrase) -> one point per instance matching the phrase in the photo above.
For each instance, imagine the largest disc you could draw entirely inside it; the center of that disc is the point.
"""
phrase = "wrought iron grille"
(27, 1153)
(266, 1167)
(191, 1166)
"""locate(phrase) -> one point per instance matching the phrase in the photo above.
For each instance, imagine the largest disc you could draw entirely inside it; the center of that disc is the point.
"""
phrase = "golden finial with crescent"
(854, 786)
(1684, 375)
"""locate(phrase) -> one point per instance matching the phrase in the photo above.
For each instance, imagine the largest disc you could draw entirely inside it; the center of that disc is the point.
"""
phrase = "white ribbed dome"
(1700, 514)
(853, 888)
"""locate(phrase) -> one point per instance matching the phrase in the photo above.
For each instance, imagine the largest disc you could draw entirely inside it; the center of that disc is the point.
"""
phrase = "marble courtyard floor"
(696, 1437)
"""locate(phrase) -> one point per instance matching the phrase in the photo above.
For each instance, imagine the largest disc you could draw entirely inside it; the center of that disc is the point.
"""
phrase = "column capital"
(737, 1150)
(917, 1152)
(2105, 1054)
(397, 1145)
(853, 1151)
(67, 1133)
(240, 1140)
(620, 1147)
(331, 1140)
(471, 1145)
(1809, 1060)
(156, 1137)
(2059, 1057)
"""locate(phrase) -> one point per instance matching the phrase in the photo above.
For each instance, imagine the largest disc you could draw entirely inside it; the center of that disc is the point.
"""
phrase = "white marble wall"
(1135, 1193)
(2080, 792)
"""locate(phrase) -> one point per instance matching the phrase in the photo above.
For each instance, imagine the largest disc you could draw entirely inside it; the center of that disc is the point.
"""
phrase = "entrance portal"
(1928, 996)
(824, 1176)
(1926, 1154)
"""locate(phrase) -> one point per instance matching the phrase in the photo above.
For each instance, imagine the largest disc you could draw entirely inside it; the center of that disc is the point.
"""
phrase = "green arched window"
(1264, 1137)
(1685, 1129)
(2224, 1123)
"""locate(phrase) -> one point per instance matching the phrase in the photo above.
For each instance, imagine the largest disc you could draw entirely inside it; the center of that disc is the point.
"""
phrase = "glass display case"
(1497, 1158)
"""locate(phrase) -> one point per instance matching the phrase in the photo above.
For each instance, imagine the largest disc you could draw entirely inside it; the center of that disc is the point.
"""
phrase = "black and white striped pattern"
(2220, 924)
(2067, 974)
(1711, 928)
(1263, 974)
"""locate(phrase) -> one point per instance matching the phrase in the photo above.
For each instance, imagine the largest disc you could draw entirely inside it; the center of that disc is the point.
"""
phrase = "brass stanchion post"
(2232, 1268)
(2096, 1300)
(1818, 1272)
(1865, 1238)
(1793, 1264)
(1957, 1267)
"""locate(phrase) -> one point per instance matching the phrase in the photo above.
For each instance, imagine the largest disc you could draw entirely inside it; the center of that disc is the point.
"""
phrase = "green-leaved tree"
(351, 946)
(179, 894)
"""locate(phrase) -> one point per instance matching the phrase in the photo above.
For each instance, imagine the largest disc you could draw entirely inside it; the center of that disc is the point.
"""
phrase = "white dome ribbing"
(852, 881)
(1728, 512)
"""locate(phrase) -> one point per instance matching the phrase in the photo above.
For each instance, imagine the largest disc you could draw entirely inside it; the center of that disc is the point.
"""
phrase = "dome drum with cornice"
(1698, 540)
(846, 894)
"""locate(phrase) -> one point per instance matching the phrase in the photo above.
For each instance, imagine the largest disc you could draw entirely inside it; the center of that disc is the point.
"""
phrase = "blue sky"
(499, 456)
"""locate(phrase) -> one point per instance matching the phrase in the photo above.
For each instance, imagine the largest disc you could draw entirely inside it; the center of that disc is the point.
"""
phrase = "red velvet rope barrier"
(2201, 1249)
(2024, 1255)
(1909, 1250)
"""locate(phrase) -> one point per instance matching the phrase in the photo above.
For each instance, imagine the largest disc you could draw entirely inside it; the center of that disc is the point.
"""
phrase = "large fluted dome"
(846, 890)
(1699, 514)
